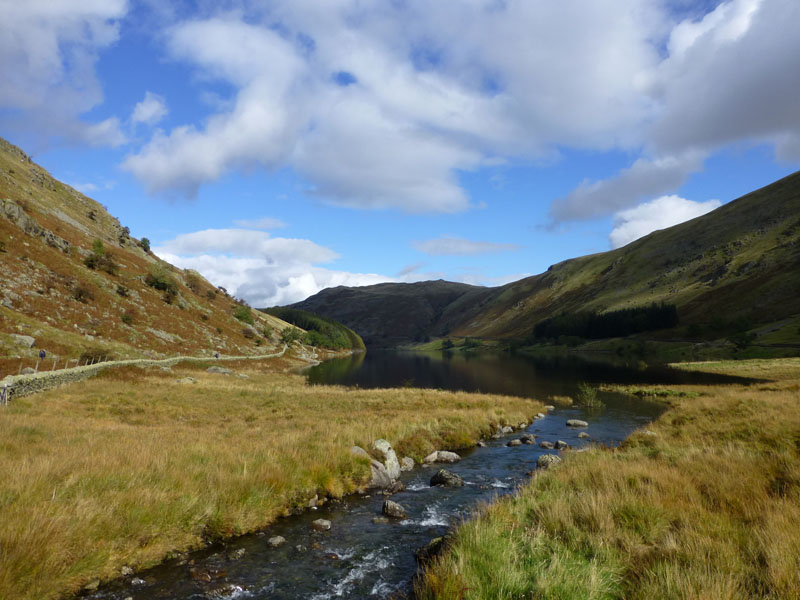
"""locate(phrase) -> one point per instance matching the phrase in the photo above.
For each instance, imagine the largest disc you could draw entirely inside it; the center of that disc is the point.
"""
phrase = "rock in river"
(446, 478)
(276, 541)
(380, 476)
(407, 464)
(576, 423)
(583, 435)
(390, 461)
(561, 445)
(514, 443)
(394, 510)
(546, 445)
(441, 456)
(321, 525)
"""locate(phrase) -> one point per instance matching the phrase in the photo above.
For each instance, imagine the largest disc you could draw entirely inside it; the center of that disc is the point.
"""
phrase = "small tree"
(98, 248)
(145, 244)
(289, 335)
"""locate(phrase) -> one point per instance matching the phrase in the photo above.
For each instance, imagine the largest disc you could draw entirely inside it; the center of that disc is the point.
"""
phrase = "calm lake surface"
(514, 375)
(359, 558)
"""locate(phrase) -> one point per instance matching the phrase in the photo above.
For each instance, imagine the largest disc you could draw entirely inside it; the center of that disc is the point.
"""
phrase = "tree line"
(320, 331)
(615, 323)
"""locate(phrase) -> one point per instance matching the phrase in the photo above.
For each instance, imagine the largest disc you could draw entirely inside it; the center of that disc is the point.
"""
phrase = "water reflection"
(496, 373)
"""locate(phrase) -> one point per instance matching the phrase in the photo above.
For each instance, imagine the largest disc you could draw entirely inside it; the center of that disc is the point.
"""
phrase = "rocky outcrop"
(16, 214)
(445, 478)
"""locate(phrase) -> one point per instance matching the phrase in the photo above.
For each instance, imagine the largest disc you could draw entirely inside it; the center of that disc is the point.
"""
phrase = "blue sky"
(280, 147)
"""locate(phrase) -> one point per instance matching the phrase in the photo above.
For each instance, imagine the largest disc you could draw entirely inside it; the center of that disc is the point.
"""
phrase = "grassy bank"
(121, 469)
(704, 504)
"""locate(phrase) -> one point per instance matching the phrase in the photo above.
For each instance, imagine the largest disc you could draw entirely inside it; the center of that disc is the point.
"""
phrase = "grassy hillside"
(734, 270)
(320, 331)
(76, 282)
(739, 262)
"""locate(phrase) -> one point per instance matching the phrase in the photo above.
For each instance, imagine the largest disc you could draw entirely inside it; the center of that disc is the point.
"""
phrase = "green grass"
(124, 468)
(704, 505)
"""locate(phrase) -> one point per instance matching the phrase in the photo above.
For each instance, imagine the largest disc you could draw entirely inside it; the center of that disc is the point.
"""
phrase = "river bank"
(120, 470)
(703, 504)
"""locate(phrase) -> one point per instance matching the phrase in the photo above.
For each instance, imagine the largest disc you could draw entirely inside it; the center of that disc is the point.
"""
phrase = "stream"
(360, 556)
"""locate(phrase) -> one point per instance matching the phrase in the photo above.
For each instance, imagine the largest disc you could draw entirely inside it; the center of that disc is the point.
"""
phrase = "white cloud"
(263, 270)
(663, 212)
(644, 179)
(431, 93)
(454, 246)
(47, 55)
(150, 110)
(262, 223)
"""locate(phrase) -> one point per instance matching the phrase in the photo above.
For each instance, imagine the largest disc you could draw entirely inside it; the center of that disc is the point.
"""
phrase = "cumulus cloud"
(48, 52)
(644, 179)
(455, 246)
(263, 270)
(383, 105)
(150, 110)
(663, 212)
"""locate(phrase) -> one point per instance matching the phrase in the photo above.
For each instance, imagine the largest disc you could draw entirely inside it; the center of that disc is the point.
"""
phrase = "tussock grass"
(124, 468)
(708, 507)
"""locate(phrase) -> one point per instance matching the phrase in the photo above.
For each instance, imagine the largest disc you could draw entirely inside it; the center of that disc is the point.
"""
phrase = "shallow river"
(359, 558)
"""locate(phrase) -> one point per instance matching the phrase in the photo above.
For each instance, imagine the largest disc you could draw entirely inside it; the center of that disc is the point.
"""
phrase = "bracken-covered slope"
(741, 261)
(48, 234)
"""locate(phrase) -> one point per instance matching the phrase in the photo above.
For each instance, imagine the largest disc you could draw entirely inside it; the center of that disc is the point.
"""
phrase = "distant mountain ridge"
(739, 262)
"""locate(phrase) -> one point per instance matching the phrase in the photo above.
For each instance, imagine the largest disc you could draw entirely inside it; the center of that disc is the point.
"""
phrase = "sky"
(282, 147)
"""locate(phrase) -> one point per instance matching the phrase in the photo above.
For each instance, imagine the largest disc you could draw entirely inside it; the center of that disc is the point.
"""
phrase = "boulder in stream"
(561, 445)
(321, 525)
(446, 478)
(430, 551)
(394, 510)
(528, 438)
(576, 423)
(514, 443)
(546, 445)
(380, 476)
(441, 456)
(583, 435)
(407, 464)
(384, 448)
(275, 541)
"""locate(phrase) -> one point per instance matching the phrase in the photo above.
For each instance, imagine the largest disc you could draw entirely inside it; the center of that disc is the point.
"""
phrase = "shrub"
(82, 293)
(289, 335)
(98, 248)
(144, 243)
(211, 295)
(192, 280)
(159, 278)
(587, 396)
(128, 315)
(244, 314)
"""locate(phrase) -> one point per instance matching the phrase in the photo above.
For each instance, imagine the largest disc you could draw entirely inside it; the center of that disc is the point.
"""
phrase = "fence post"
(4, 395)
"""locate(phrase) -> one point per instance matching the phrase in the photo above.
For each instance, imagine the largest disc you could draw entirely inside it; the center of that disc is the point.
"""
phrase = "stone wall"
(24, 385)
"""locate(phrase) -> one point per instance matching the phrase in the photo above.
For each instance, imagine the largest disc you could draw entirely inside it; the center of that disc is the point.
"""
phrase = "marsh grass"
(707, 507)
(124, 468)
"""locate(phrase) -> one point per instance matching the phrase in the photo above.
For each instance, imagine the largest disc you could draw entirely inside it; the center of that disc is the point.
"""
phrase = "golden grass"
(122, 469)
(707, 508)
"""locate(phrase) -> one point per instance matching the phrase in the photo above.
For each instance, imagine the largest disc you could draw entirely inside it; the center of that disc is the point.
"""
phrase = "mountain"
(75, 283)
(388, 314)
(734, 268)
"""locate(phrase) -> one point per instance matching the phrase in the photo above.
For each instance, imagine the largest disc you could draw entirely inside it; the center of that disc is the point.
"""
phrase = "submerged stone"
(446, 478)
